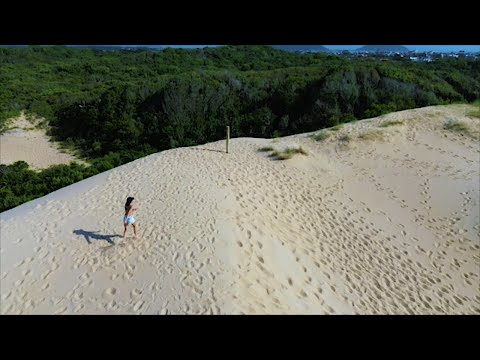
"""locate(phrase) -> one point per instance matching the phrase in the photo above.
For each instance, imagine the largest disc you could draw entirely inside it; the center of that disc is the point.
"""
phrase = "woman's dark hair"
(127, 204)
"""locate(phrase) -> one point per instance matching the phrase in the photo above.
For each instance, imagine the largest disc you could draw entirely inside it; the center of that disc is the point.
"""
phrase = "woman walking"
(128, 219)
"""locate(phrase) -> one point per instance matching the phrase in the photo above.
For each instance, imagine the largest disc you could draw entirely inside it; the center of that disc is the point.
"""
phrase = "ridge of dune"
(388, 224)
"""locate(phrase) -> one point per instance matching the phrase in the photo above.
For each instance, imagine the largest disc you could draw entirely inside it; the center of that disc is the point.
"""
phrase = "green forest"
(113, 107)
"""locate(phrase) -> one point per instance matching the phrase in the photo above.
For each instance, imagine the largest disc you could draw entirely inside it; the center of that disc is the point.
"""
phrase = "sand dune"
(27, 143)
(382, 224)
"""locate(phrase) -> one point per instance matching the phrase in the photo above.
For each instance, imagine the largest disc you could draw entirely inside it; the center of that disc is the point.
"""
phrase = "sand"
(27, 143)
(389, 225)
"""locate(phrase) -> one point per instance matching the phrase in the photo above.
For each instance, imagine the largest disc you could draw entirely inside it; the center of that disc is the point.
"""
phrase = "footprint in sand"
(61, 310)
(110, 291)
(46, 274)
(135, 293)
(26, 272)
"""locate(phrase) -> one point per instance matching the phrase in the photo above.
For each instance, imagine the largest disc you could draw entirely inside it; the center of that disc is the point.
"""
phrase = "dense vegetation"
(116, 106)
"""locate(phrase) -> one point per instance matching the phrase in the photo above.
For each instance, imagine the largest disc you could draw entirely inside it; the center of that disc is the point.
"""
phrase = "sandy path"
(370, 227)
(30, 145)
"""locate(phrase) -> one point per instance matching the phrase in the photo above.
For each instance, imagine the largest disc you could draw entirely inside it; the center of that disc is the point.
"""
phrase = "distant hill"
(303, 48)
(383, 48)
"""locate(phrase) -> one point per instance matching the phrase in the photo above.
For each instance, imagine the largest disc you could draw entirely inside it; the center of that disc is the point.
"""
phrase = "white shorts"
(128, 220)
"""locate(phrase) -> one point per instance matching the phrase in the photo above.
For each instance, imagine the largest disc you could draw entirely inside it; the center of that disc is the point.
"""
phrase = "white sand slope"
(26, 143)
(381, 226)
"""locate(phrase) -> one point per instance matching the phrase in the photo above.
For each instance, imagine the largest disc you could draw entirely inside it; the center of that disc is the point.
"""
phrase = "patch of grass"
(31, 118)
(456, 125)
(68, 147)
(10, 128)
(299, 150)
(371, 135)
(323, 135)
(474, 113)
(336, 127)
(274, 153)
(42, 125)
(462, 128)
(391, 123)
(5, 123)
(265, 149)
(288, 153)
(345, 138)
(283, 155)
(276, 134)
(37, 121)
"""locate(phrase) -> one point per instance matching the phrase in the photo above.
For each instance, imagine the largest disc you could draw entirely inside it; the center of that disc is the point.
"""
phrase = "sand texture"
(373, 220)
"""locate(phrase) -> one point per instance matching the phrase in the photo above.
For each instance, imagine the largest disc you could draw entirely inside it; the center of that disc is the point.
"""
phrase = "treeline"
(40, 79)
(195, 107)
(117, 106)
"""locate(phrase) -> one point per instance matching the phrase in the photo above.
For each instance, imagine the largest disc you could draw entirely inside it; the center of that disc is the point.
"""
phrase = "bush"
(288, 153)
(345, 138)
(266, 149)
(463, 128)
(276, 134)
(371, 135)
(19, 184)
(391, 123)
(323, 135)
(476, 111)
(336, 128)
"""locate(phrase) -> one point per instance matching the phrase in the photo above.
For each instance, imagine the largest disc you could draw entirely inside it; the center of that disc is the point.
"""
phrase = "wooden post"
(228, 136)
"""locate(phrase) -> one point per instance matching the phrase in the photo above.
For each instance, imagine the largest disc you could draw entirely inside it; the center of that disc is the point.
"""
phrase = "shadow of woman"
(95, 236)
